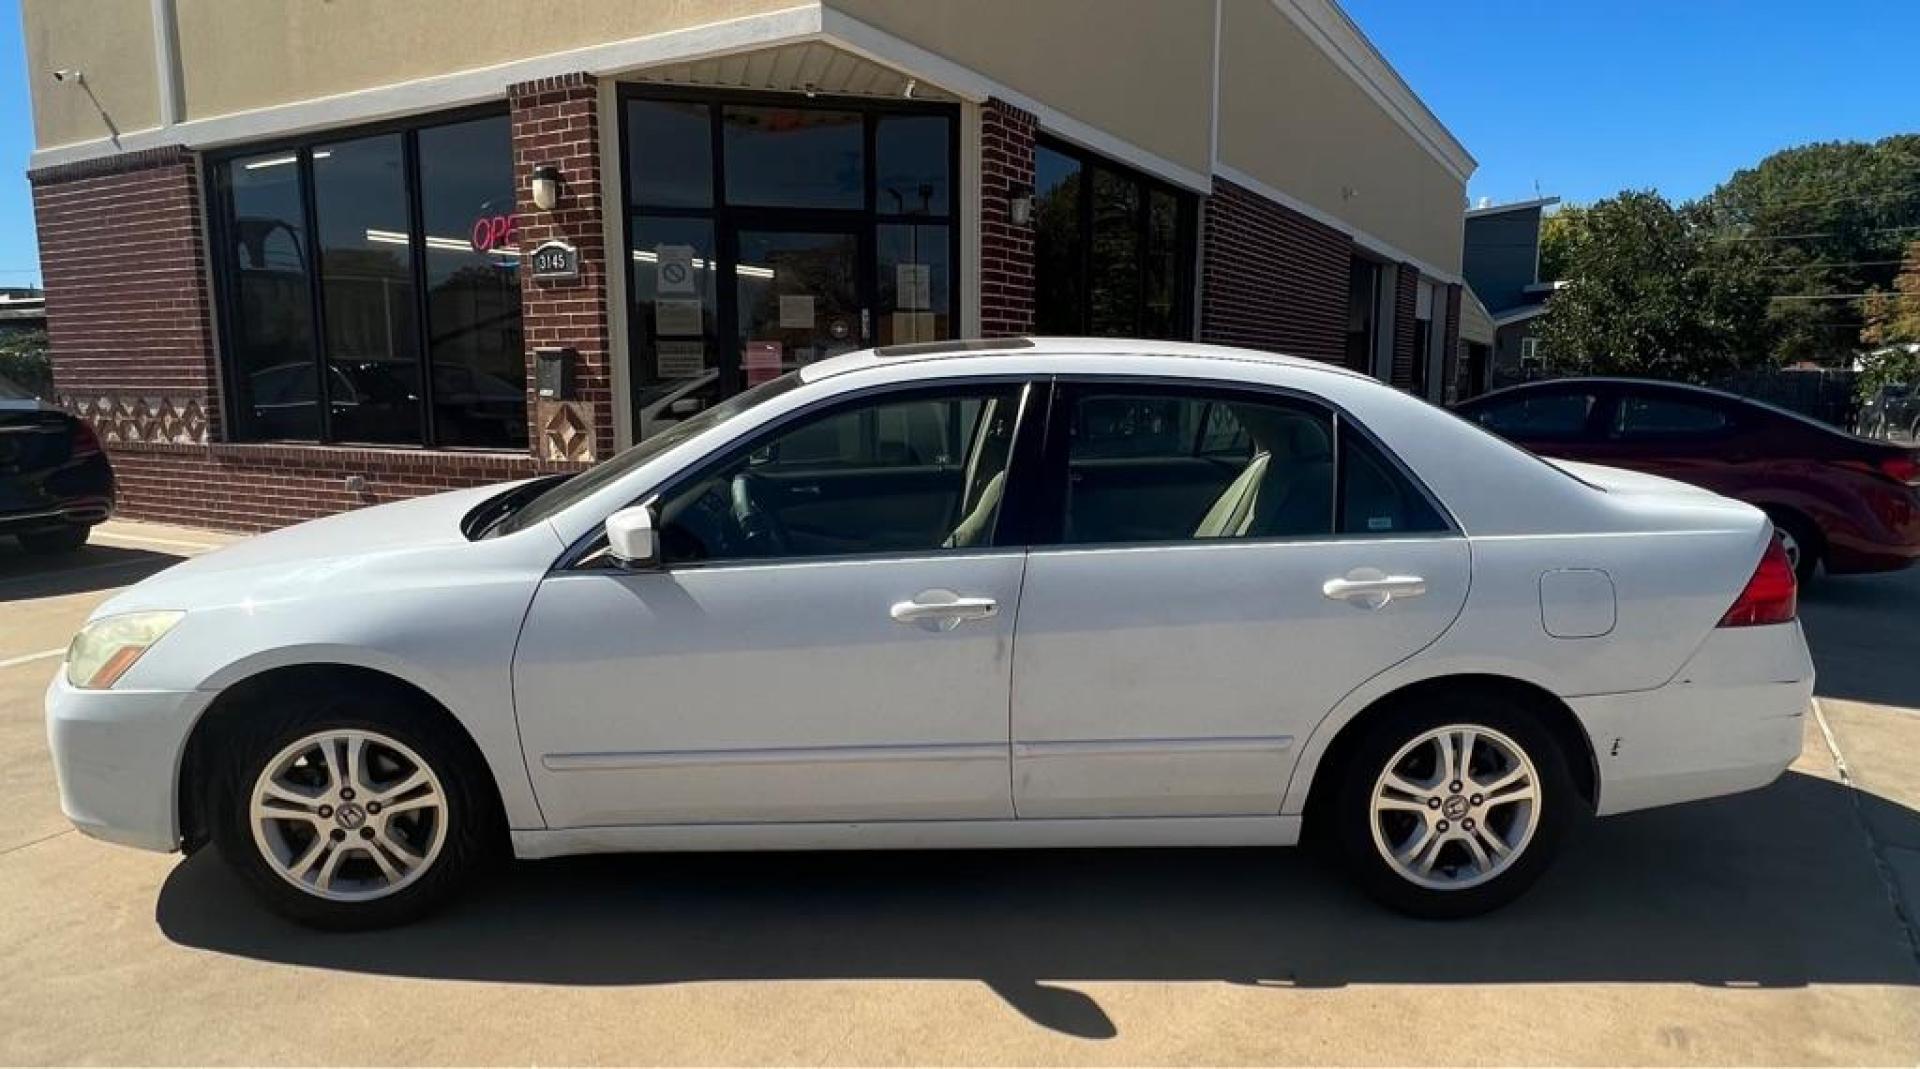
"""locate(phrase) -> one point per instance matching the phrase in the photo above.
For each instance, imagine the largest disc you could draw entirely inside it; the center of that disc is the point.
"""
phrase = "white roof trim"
(1515, 315)
(1360, 237)
(477, 86)
(1334, 34)
(1499, 209)
(866, 40)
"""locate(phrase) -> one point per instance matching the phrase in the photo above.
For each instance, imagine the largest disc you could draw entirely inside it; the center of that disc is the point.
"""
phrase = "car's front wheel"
(1454, 808)
(352, 813)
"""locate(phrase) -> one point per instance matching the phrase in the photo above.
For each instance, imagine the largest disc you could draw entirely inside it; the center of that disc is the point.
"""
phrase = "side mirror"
(631, 538)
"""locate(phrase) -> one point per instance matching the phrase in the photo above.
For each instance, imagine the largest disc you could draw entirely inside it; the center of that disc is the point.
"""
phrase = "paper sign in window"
(913, 326)
(913, 284)
(796, 310)
(762, 360)
(674, 267)
(677, 316)
(681, 359)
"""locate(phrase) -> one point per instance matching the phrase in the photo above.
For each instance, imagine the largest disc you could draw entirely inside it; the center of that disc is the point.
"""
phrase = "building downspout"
(166, 60)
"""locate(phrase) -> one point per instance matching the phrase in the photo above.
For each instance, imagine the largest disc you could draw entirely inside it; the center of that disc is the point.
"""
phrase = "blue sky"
(1586, 97)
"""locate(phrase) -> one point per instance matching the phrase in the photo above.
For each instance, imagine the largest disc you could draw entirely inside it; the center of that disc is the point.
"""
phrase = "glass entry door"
(798, 296)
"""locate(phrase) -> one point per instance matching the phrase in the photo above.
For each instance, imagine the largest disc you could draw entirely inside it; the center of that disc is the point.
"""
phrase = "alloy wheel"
(1455, 807)
(348, 815)
(1791, 545)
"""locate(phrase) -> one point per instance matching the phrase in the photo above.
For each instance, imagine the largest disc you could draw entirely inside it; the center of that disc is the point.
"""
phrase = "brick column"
(1272, 278)
(1006, 251)
(556, 123)
(1406, 304)
(128, 315)
(1450, 364)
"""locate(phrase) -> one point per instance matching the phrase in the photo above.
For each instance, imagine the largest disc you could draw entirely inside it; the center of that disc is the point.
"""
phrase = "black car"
(1893, 413)
(55, 482)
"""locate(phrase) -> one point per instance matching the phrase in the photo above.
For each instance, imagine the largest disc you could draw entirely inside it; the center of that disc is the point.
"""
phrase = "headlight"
(104, 649)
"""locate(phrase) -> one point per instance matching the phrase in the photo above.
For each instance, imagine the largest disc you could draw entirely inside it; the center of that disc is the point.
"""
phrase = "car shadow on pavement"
(24, 575)
(1770, 889)
(1865, 635)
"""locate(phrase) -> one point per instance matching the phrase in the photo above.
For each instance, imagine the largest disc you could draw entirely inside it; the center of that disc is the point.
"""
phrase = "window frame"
(1010, 527)
(1186, 239)
(727, 219)
(1044, 492)
(217, 202)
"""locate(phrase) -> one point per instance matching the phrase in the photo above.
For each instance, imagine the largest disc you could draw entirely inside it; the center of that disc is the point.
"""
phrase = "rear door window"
(1558, 415)
(1653, 416)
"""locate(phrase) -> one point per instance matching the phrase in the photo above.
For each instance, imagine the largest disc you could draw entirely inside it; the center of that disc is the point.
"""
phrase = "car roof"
(896, 355)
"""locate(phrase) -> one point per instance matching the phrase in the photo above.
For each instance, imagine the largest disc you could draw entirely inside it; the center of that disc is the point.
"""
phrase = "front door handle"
(943, 610)
(1372, 588)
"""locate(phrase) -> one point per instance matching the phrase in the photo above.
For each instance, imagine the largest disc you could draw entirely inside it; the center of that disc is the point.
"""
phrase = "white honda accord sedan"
(1016, 593)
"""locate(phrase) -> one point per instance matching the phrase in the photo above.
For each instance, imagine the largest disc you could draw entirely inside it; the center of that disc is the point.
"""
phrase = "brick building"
(302, 257)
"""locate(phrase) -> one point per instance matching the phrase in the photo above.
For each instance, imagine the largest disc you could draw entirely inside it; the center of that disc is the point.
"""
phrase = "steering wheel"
(760, 529)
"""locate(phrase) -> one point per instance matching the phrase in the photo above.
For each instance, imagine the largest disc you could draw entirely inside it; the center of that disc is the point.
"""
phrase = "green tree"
(1892, 329)
(1558, 232)
(26, 361)
(1648, 293)
(1825, 222)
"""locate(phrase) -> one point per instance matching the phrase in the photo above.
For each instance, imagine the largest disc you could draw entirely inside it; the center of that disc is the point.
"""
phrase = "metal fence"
(1824, 394)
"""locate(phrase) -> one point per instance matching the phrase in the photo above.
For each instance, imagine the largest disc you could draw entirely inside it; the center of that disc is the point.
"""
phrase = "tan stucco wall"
(111, 42)
(1141, 70)
(245, 54)
(1293, 120)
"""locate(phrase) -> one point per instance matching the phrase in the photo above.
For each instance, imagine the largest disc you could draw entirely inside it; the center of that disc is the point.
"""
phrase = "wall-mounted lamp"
(1020, 204)
(546, 187)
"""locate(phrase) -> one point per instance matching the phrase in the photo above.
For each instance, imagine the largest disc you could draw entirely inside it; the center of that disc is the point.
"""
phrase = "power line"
(1798, 237)
(1828, 296)
(1908, 192)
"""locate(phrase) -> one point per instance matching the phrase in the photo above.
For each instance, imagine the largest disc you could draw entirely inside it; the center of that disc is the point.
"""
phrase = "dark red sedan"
(1848, 503)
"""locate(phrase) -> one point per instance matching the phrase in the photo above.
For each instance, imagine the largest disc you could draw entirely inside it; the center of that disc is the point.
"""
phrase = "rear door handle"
(1372, 588)
(943, 610)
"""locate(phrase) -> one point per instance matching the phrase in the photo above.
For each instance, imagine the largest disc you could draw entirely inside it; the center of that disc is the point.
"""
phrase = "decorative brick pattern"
(127, 309)
(259, 487)
(1406, 304)
(1006, 250)
(1272, 278)
(556, 123)
(1450, 365)
(566, 430)
(126, 420)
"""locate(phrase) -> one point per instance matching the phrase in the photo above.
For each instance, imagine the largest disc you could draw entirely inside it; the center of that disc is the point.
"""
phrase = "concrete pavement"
(1761, 928)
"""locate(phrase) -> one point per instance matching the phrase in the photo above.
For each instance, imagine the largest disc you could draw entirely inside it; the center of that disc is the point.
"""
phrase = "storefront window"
(669, 154)
(270, 344)
(795, 157)
(1113, 249)
(916, 285)
(367, 296)
(414, 226)
(912, 165)
(474, 345)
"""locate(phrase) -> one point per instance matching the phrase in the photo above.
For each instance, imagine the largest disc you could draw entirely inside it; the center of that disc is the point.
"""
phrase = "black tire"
(1812, 546)
(54, 539)
(474, 834)
(1352, 823)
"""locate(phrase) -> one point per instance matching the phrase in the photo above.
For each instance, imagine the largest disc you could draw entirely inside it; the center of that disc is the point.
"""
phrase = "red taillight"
(1902, 469)
(1772, 596)
(85, 442)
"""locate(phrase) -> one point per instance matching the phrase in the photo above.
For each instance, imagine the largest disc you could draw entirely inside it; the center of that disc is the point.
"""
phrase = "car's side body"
(54, 477)
(1790, 466)
(1153, 693)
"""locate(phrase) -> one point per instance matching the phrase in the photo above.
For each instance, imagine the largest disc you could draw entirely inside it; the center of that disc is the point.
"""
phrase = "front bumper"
(117, 756)
(1732, 720)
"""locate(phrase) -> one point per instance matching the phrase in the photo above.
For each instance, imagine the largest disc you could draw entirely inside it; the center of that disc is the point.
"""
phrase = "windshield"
(584, 485)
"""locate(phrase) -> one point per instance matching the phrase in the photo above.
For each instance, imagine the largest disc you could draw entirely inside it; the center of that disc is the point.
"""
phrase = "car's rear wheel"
(54, 540)
(351, 813)
(1454, 808)
(1801, 539)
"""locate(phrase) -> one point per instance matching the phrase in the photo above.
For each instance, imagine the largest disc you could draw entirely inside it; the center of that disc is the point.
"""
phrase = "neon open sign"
(494, 231)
